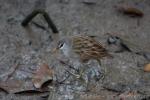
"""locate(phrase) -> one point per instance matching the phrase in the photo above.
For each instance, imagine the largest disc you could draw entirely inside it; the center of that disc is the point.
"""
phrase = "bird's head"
(62, 45)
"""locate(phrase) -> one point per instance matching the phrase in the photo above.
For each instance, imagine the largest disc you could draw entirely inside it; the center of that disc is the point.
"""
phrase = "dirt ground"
(124, 79)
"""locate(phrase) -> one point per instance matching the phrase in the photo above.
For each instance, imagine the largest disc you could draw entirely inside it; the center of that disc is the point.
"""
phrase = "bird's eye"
(60, 44)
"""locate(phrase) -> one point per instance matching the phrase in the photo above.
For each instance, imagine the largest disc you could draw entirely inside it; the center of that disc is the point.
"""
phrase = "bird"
(82, 46)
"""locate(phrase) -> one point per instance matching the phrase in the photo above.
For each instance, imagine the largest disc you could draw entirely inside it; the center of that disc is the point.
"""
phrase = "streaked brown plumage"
(88, 48)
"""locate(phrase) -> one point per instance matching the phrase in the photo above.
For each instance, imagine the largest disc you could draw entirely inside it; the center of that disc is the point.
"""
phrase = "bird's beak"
(55, 50)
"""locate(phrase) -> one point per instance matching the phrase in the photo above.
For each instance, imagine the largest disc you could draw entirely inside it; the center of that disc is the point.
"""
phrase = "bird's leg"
(99, 62)
(76, 75)
(79, 73)
(103, 72)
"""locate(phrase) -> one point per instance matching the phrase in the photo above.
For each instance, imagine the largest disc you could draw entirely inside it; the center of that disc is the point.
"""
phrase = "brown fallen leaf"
(10, 86)
(132, 94)
(129, 10)
(42, 75)
(128, 95)
(147, 68)
(20, 87)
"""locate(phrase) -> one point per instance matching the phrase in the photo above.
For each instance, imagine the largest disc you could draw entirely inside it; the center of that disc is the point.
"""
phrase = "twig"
(112, 90)
(38, 25)
(28, 19)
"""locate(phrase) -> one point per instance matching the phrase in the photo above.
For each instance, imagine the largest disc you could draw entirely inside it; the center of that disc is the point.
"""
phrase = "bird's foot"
(99, 76)
(71, 73)
(77, 76)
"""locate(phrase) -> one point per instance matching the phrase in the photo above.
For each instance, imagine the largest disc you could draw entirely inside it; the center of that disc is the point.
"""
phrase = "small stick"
(39, 26)
(28, 19)
(110, 89)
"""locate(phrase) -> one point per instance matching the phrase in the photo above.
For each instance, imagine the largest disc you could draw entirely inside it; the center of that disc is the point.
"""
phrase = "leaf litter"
(131, 11)
(20, 87)
(42, 75)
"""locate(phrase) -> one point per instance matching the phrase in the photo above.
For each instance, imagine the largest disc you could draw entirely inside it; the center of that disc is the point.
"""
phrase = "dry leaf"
(10, 86)
(42, 75)
(128, 95)
(20, 87)
(132, 11)
(27, 88)
(132, 94)
(147, 68)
